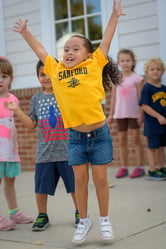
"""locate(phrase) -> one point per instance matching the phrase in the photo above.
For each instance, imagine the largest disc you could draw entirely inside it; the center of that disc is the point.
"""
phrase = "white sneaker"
(106, 231)
(81, 232)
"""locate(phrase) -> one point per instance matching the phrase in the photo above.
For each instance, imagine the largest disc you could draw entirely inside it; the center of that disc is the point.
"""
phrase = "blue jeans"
(93, 147)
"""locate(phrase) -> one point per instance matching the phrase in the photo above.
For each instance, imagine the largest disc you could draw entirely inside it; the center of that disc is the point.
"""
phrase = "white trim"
(47, 26)
(162, 35)
(29, 82)
(106, 10)
(2, 36)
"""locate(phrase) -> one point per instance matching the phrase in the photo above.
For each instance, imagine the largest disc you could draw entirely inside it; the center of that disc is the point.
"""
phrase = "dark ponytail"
(111, 75)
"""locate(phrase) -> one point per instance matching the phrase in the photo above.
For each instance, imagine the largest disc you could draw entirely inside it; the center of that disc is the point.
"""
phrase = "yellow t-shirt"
(78, 90)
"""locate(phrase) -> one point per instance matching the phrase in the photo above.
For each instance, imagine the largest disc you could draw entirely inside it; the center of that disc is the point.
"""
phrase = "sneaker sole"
(8, 228)
(83, 239)
(156, 179)
(40, 229)
(122, 175)
(107, 239)
(141, 174)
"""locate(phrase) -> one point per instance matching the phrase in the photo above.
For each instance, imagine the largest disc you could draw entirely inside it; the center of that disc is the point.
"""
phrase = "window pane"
(60, 9)
(78, 26)
(77, 8)
(96, 45)
(94, 28)
(93, 6)
(61, 30)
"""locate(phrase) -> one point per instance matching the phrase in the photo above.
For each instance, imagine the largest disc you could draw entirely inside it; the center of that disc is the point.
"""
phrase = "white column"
(2, 36)
(47, 26)
(162, 34)
(106, 8)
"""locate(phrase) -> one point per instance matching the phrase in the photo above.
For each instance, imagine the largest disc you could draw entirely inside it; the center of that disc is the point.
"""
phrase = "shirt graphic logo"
(52, 117)
(50, 121)
(73, 83)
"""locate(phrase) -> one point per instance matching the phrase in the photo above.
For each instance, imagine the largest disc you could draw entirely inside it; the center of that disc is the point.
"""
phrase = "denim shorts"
(93, 147)
(47, 176)
(9, 169)
(156, 142)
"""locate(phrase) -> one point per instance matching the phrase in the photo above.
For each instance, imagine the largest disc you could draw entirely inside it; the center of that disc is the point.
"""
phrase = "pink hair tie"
(4, 58)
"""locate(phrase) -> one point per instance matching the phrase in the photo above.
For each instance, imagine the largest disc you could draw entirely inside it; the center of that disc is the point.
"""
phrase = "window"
(76, 16)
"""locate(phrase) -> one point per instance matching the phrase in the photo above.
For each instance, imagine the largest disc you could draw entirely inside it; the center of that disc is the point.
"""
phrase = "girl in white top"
(125, 109)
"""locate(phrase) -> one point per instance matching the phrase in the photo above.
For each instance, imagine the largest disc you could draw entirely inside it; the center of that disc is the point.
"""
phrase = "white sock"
(84, 221)
(103, 218)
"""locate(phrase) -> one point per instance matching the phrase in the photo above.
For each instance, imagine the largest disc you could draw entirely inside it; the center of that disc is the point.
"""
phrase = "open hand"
(20, 25)
(117, 8)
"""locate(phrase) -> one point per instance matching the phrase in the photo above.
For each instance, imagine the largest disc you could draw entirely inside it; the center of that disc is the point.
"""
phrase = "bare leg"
(10, 193)
(99, 174)
(123, 148)
(138, 148)
(160, 157)
(81, 175)
(151, 159)
(41, 200)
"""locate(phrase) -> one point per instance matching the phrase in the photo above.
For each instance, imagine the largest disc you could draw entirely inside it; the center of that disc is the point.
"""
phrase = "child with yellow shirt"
(78, 86)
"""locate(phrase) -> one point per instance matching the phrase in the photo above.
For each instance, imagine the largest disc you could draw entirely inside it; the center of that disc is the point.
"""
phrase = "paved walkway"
(134, 226)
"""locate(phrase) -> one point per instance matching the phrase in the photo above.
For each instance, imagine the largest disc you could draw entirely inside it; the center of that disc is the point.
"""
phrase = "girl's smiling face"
(75, 52)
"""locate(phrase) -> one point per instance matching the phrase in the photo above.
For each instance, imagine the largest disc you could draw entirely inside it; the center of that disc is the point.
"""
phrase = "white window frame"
(48, 29)
(69, 19)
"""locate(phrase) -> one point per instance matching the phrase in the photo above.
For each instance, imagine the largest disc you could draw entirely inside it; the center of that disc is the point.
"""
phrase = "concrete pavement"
(134, 226)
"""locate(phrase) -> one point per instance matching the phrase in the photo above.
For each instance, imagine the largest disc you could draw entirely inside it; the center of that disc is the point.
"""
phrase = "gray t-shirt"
(52, 136)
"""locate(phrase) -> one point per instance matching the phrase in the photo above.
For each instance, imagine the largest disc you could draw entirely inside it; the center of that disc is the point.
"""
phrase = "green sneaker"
(77, 218)
(156, 175)
(163, 171)
(41, 223)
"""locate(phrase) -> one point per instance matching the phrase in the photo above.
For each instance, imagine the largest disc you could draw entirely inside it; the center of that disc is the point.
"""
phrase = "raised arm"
(111, 27)
(21, 27)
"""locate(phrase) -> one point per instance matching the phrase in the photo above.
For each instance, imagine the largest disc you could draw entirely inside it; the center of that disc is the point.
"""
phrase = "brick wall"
(27, 138)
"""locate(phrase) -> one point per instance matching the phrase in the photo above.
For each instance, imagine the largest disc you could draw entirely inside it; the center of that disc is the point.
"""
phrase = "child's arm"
(25, 119)
(112, 105)
(161, 119)
(141, 115)
(37, 47)
(111, 27)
